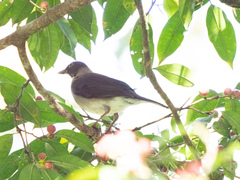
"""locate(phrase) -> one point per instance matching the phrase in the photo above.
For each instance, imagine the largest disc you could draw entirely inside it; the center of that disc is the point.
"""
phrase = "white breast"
(98, 106)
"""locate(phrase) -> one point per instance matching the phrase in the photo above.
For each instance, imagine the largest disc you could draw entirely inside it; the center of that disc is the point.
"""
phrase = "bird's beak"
(62, 72)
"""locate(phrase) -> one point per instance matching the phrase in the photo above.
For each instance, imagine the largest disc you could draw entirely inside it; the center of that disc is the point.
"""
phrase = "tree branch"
(22, 33)
(151, 76)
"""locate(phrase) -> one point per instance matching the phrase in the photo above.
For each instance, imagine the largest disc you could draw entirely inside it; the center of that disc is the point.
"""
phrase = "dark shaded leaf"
(186, 8)
(233, 118)
(9, 166)
(6, 121)
(222, 127)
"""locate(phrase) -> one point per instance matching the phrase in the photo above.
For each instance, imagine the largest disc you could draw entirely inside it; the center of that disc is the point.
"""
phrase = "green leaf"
(8, 76)
(236, 13)
(78, 139)
(238, 86)
(171, 37)
(205, 120)
(5, 11)
(203, 106)
(6, 121)
(165, 134)
(221, 34)
(170, 6)
(186, 8)
(28, 107)
(85, 17)
(86, 156)
(37, 146)
(114, 17)
(48, 115)
(222, 127)
(21, 9)
(70, 37)
(69, 162)
(44, 45)
(176, 73)
(232, 105)
(30, 172)
(129, 6)
(173, 125)
(83, 37)
(49, 174)
(5, 146)
(55, 149)
(233, 118)
(136, 48)
(9, 166)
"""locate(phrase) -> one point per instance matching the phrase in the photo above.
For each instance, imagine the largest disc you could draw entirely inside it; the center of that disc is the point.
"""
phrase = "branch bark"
(23, 32)
(152, 78)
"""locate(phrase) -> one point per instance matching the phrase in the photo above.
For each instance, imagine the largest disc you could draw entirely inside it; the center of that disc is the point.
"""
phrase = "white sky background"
(196, 52)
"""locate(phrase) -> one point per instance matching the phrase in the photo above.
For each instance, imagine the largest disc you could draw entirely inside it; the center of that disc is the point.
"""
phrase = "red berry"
(236, 94)
(44, 5)
(204, 92)
(51, 129)
(164, 169)
(232, 133)
(42, 156)
(48, 165)
(227, 91)
(39, 98)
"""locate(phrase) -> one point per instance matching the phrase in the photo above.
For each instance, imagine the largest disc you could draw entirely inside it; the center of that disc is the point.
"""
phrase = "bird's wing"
(95, 85)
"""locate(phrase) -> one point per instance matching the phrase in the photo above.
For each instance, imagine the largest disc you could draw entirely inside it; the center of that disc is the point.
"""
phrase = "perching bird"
(101, 94)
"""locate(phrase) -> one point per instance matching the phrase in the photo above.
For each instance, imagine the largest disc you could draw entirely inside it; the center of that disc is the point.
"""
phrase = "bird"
(100, 94)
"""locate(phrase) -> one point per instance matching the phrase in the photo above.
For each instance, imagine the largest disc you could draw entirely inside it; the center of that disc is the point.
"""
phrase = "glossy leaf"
(176, 73)
(21, 9)
(5, 146)
(44, 45)
(85, 17)
(186, 8)
(221, 34)
(69, 162)
(82, 36)
(223, 127)
(136, 48)
(205, 120)
(6, 121)
(233, 118)
(9, 166)
(30, 172)
(54, 148)
(129, 6)
(37, 146)
(78, 139)
(70, 37)
(5, 11)
(204, 106)
(114, 17)
(48, 115)
(170, 6)
(171, 37)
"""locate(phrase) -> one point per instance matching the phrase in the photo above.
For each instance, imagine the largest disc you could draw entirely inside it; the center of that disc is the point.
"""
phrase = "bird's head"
(76, 68)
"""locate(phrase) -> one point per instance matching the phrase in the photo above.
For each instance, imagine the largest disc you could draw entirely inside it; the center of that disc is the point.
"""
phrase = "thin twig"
(138, 128)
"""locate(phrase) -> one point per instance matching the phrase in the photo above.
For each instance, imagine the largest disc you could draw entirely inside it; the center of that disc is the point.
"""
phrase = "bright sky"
(196, 52)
